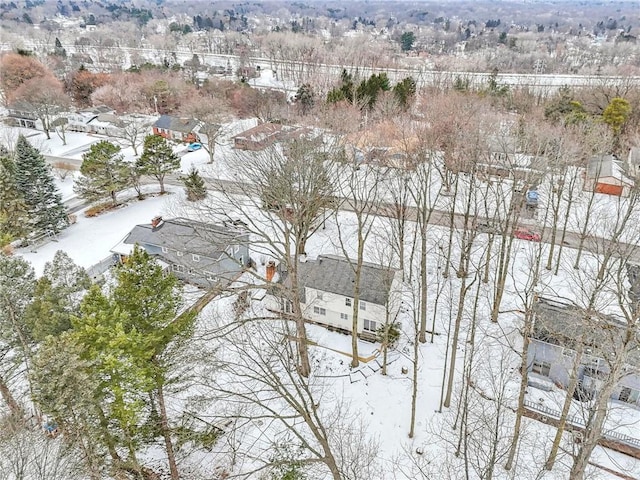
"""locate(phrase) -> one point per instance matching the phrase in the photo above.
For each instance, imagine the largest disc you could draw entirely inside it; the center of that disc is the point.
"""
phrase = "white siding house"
(327, 294)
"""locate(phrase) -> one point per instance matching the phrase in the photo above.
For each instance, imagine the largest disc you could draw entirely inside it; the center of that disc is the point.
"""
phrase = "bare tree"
(47, 99)
(360, 192)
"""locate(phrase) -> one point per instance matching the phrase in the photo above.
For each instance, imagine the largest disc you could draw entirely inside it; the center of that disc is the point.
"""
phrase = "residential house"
(199, 253)
(327, 294)
(83, 120)
(22, 114)
(605, 174)
(633, 162)
(266, 134)
(560, 329)
(506, 158)
(177, 129)
(383, 144)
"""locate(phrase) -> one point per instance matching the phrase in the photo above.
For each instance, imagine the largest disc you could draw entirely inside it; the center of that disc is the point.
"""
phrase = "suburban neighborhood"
(241, 262)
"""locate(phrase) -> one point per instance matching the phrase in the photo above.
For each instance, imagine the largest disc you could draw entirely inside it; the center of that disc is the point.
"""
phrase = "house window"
(288, 306)
(177, 268)
(192, 271)
(363, 306)
(319, 311)
(236, 248)
(241, 260)
(347, 302)
(320, 295)
(541, 368)
(344, 316)
(210, 276)
(370, 326)
(196, 258)
(628, 395)
(179, 253)
(165, 250)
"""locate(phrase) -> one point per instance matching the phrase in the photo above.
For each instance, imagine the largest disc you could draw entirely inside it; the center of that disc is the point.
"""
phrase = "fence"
(580, 423)
(99, 268)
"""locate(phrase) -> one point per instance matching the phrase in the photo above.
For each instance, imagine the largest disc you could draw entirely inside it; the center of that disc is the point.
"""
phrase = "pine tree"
(57, 297)
(13, 211)
(17, 280)
(104, 173)
(34, 181)
(116, 356)
(194, 186)
(152, 300)
(158, 159)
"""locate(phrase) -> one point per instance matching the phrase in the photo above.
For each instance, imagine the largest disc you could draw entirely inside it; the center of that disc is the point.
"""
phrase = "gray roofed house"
(174, 128)
(199, 253)
(560, 329)
(327, 289)
(23, 114)
(330, 273)
(605, 174)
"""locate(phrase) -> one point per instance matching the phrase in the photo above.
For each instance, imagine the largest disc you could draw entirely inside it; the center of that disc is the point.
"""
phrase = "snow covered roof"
(334, 274)
(601, 166)
(184, 235)
(175, 124)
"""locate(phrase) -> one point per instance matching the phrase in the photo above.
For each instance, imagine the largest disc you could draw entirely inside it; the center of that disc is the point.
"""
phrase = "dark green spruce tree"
(194, 186)
(35, 183)
(13, 211)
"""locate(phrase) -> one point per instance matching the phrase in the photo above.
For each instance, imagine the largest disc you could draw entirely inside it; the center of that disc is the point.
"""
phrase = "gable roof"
(186, 235)
(334, 274)
(22, 108)
(602, 166)
(175, 124)
(563, 324)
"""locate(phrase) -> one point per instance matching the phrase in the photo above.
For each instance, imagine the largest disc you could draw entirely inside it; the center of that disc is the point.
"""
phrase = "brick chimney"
(156, 222)
(271, 270)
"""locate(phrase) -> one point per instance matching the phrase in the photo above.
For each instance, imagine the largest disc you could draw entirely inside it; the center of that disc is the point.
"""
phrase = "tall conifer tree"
(35, 182)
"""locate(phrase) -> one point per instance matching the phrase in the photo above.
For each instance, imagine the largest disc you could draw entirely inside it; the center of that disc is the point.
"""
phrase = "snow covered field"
(380, 404)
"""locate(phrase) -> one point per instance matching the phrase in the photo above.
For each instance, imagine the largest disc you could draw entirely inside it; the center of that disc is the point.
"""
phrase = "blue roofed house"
(199, 253)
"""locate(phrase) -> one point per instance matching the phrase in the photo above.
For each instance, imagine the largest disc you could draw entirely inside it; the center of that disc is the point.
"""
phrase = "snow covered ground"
(383, 402)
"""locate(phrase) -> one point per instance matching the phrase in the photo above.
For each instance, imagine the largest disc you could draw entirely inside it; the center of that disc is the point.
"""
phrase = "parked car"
(485, 226)
(526, 234)
(194, 146)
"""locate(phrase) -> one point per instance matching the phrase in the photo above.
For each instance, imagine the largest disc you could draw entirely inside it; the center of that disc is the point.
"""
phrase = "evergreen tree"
(616, 114)
(194, 186)
(406, 41)
(13, 211)
(404, 91)
(58, 372)
(17, 281)
(152, 300)
(117, 358)
(34, 181)
(305, 98)
(104, 172)
(158, 159)
(57, 297)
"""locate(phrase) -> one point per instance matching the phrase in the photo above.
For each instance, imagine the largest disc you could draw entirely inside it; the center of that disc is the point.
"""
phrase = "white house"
(605, 174)
(327, 287)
